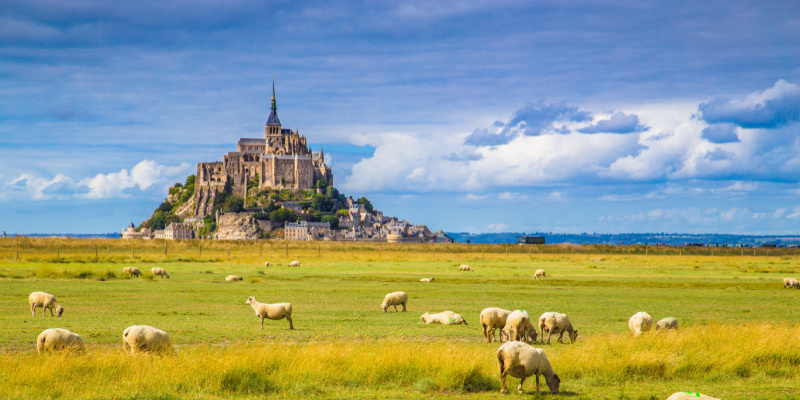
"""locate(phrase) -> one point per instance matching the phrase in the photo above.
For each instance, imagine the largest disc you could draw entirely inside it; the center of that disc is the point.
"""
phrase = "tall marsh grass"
(712, 354)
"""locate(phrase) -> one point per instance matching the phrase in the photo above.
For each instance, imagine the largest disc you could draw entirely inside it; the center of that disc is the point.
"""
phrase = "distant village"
(260, 175)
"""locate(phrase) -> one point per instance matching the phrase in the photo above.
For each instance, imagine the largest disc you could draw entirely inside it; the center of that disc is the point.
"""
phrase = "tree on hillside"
(283, 215)
(322, 203)
(322, 184)
(367, 205)
(331, 220)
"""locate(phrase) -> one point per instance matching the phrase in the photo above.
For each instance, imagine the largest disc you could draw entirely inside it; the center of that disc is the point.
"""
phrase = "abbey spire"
(273, 126)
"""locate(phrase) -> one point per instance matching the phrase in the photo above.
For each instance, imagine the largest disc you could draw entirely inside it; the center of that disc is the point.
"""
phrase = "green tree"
(159, 220)
(322, 203)
(235, 204)
(343, 213)
(331, 220)
(366, 203)
(283, 215)
(165, 207)
(322, 184)
(190, 180)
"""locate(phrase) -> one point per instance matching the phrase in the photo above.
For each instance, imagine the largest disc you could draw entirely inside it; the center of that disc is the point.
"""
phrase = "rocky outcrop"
(237, 226)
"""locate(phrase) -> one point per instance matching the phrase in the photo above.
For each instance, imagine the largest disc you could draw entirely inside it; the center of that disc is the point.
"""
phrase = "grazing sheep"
(464, 267)
(553, 323)
(789, 282)
(539, 273)
(640, 322)
(690, 396)
(426, 279)
(493, 318)
(271, 311)
(160, 271)
(231, 278)
(58, 339)
(132, 271)
(518, 326)
(444, 318)
(46, 301)
(667, 323)
(266, 264)
(143, 338)
(393, 299)
(294, 263)
(521, 360)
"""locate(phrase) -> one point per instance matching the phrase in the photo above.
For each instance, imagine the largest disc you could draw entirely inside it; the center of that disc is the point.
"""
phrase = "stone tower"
(273, 126)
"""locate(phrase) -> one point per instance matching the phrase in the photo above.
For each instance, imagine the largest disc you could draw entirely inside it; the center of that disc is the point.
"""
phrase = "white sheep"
(690, 396)
(444, 318)
(539, 274)
(294, 263)
(231, 278)
(426, 279)
(46, 301)
(160, 271)
(143, 338)
(132, 271)
(553, 323)
(789, 282)
(266, 264)
(518, 327)
(464, 267)
(667, 323)
(640, 322)
(394, 299)
(58, 339)
(274, 312)
(493, 318)
(521, 360)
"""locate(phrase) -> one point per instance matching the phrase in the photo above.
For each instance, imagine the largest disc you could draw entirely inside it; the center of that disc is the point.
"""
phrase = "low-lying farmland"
(737, 339)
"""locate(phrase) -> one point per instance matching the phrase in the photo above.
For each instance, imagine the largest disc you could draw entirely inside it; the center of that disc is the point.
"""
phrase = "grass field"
(738, 337)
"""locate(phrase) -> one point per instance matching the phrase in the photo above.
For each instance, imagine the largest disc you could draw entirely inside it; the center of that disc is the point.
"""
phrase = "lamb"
(518, 326)
(640, 322)
(294, 263)
(266, 264)
(393, 299)
(539, 273)
(143, 338)
(667, 323)
(552, 323)
(232, 278)
(522, 360)
(444, 318)
(58, 339)
(132, 271)
(464, 267)
(160, 271)
(46, 301)
(274, 312)
(493, 318)
(690, 396)
(426, 279)
(789, 282)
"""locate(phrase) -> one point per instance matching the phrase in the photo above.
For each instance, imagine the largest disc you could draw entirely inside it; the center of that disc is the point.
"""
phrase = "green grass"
(737, 339)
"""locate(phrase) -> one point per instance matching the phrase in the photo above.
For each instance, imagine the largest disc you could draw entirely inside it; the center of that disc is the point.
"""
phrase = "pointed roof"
(273, 115)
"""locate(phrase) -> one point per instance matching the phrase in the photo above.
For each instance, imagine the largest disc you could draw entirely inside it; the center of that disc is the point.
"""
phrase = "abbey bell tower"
(273, 126)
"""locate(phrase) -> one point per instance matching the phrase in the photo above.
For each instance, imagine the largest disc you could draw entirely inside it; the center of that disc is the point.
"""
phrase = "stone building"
(178, 230)
(281, 160)
(130, 232)
(306, 230)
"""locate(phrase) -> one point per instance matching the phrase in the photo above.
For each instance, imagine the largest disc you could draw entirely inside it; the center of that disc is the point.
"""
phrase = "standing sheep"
(46, 301)
(160, 271)
(518, 326)
(232, 278)
(493, 318)
(58, 339)
(294, 263)
(132, 271)
(464, 267)
(789, 282)
(521, 360)
(393, 299)
(143, 338)
(426, 279)
(444, 318)
(539, 274)
(266, 264)
(640, 322)
(553, 323)
(274, 312)
(690, 396)
(667, 323)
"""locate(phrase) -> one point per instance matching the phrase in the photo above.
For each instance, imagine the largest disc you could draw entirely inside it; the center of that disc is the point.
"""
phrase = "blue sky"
(478, 116)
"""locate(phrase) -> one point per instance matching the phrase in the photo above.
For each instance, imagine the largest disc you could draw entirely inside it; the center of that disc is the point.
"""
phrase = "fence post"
(131, 249)
(95, 252)
(16, 251)
(200, 251)
(287, 249)
(58, 251)
(165, 248)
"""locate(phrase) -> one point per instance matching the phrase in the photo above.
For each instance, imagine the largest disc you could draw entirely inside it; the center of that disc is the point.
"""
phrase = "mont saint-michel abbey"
(280, 160)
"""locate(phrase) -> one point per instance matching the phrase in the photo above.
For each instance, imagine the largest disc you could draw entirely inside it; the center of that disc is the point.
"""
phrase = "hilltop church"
(280, 160)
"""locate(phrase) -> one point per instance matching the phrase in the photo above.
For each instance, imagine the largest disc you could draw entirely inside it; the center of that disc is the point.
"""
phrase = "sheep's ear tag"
(452, 320)
(693, 393)
(524, 311)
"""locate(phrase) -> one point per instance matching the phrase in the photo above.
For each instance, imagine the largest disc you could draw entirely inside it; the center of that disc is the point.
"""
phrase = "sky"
(478, 116)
